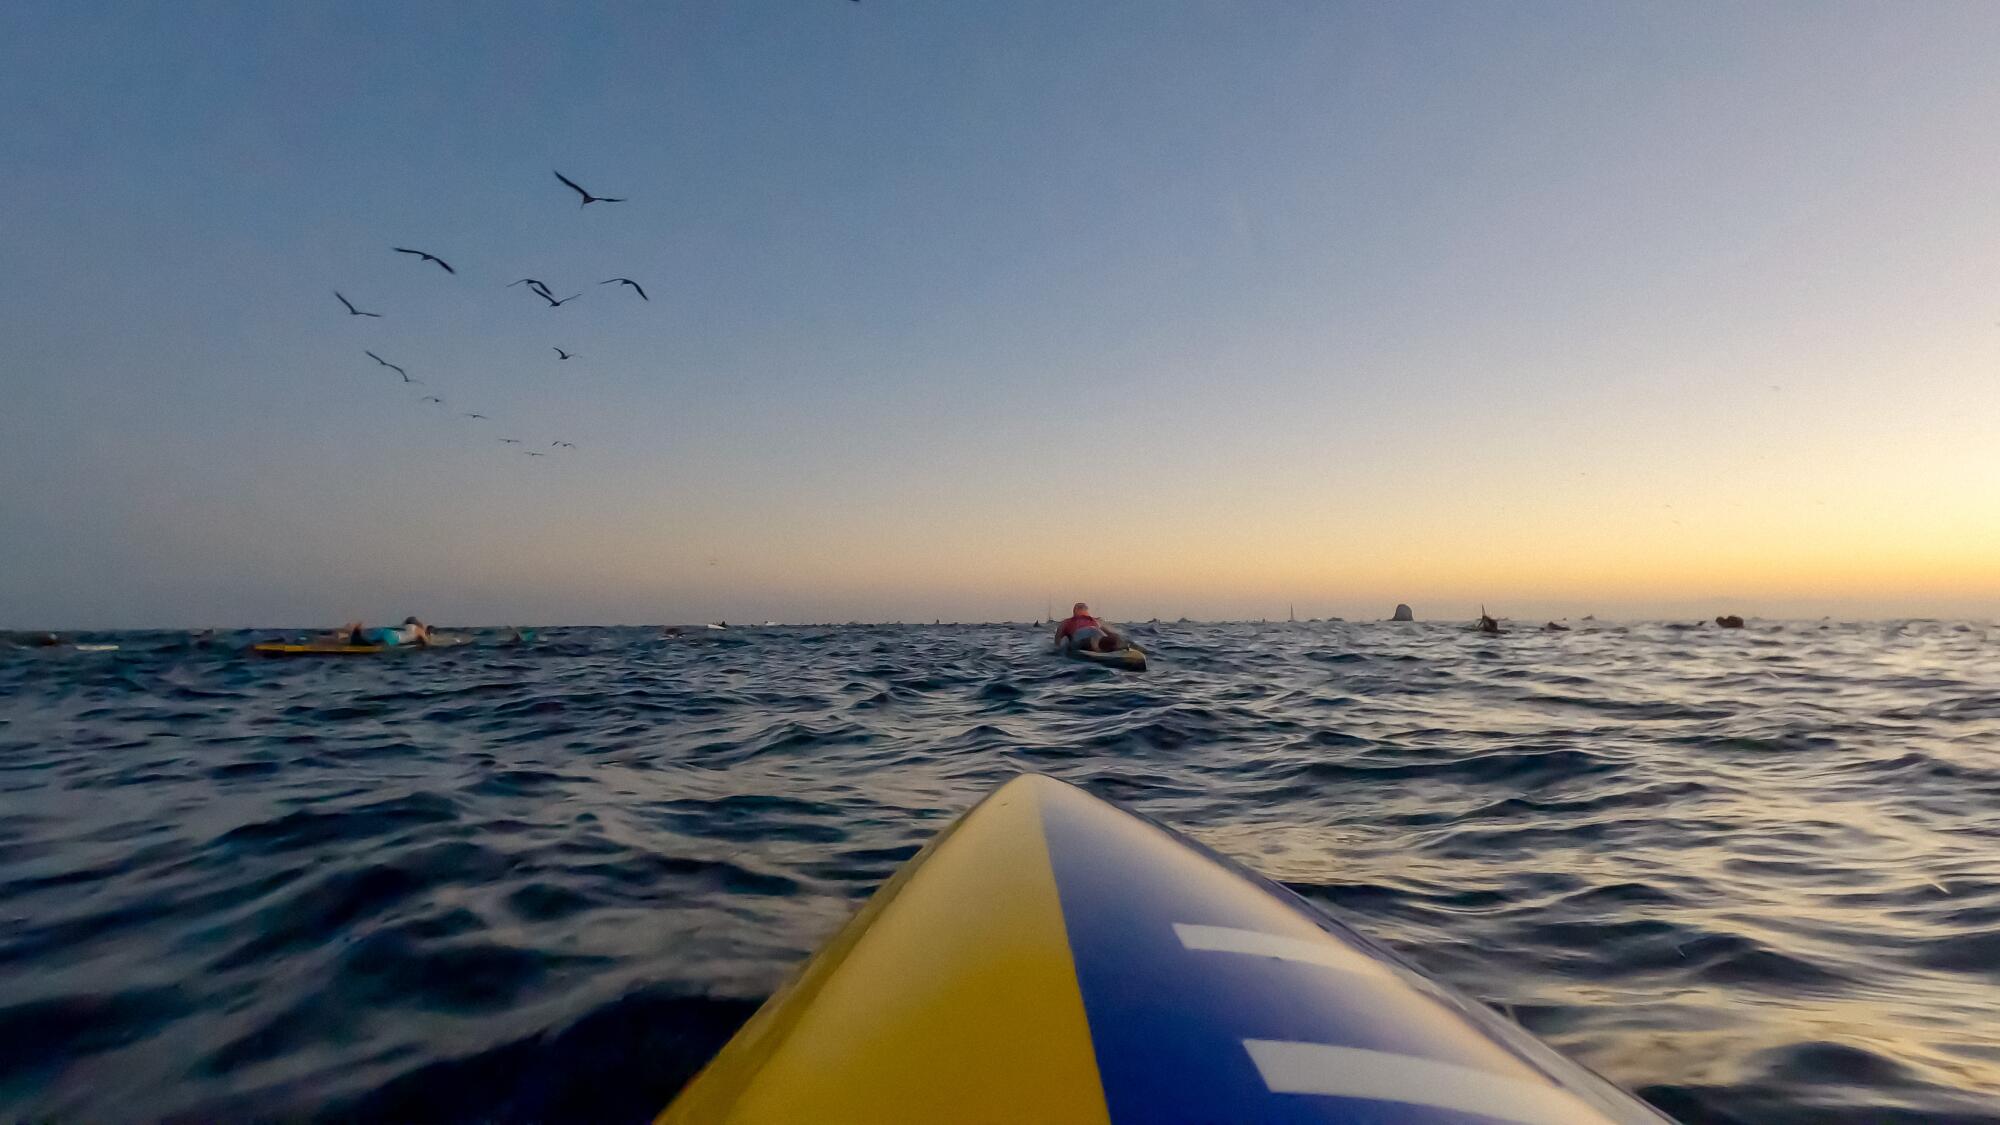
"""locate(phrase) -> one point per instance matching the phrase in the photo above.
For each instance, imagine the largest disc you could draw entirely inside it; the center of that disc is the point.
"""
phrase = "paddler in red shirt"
(1085, 632)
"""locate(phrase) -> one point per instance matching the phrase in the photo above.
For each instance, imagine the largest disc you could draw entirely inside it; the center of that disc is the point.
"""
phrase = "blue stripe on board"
(1168, 1023)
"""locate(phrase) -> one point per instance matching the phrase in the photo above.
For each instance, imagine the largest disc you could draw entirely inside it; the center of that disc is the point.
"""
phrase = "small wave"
(306, 828)
(568, 1073)
(37, 1036)
(1505, 766)
(1977, 953)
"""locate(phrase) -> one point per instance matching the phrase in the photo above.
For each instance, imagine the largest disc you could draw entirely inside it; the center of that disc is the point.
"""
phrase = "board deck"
(1049, 958)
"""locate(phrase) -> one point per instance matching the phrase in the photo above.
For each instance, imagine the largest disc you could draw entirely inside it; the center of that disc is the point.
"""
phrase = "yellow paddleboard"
(1052, 959)
(1131, 658)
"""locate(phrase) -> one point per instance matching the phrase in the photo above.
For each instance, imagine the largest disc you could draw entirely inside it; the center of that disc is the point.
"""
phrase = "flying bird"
(472, 415)
(532, 453)
(351, 310)
(627, 281)
(425, 257)
(510, 441)
(561, 354)
(432, 398)
(530, 283)
(390, 366)
(555, 304)
(588, 198)
(562, 445)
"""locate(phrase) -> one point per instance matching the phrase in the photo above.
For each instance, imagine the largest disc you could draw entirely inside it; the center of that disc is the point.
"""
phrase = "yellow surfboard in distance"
(1131, 658)
(950, 997)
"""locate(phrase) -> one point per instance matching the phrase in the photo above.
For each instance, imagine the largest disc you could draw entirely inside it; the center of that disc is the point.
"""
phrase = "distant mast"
(1292, 613)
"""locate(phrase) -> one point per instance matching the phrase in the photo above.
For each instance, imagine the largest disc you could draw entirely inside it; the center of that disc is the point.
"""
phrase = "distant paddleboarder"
(410, 632)
(1083, 631)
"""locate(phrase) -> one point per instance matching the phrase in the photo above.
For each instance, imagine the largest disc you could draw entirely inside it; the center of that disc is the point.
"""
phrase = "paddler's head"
(1079, 610)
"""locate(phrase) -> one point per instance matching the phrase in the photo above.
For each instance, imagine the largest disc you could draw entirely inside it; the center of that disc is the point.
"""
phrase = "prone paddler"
(410, 632)
(1084, 632)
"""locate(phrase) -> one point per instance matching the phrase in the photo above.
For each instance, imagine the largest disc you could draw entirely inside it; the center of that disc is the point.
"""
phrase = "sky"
(962, 309)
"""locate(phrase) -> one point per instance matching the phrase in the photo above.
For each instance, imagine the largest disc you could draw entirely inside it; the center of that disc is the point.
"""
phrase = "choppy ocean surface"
(1752, 875)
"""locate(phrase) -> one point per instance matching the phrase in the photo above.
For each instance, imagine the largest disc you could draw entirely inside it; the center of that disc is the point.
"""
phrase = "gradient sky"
(1184, 308)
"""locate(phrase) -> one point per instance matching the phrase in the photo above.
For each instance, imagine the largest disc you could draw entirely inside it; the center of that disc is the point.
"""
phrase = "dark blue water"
(1754, 876)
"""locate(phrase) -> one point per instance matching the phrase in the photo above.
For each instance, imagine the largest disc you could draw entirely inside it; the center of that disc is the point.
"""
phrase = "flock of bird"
(538, 288)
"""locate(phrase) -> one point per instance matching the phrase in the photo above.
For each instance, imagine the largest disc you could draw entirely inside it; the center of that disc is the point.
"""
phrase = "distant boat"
(717, 625)
(770, 624)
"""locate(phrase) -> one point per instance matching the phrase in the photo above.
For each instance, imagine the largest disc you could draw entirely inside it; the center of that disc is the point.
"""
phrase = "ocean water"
(1752, 875)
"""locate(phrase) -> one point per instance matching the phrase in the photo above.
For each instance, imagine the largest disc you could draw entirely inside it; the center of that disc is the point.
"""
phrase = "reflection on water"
(1752, 875)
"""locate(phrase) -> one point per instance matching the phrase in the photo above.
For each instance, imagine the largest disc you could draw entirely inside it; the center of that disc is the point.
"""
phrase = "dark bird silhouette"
(588, 198)
(472, 416)
(561, 354)
(627, 281)
(390, 366)
(562, 445)
(530, 283)
(532, 453)
(426, 257)
(432, 398)
(351, 310)
(555, 304)
(510, 441)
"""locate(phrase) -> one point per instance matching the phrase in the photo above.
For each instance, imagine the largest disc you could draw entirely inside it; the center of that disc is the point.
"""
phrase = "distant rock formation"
(1731, 621)
(1555, 627)
(1403, 614)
